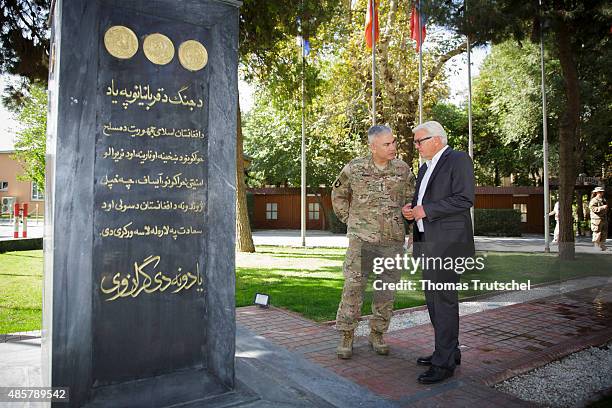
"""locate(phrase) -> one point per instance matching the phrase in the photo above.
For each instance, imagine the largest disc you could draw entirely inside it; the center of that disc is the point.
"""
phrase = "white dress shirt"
(431, 165)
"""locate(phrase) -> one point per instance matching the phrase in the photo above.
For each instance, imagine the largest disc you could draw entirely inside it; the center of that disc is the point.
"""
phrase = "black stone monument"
(139, 244)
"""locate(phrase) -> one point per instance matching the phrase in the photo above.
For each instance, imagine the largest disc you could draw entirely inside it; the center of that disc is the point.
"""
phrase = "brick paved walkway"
(496, 345)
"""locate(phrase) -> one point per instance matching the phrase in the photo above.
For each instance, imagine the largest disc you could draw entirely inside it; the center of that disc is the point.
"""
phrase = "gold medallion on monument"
(192, 55)
(120, 42)
(158, 49)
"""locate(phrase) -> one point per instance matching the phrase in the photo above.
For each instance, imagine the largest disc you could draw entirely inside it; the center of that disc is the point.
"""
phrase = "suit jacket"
(447, 202)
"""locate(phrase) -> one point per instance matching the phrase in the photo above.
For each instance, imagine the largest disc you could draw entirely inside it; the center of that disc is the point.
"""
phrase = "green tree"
(575, 32)
(508, 113)
(30, 145)
(492, 158)
(24, 53)
(273, 140)
(397, 90)
(455, 122)
(265, 29)
(338, 81)
(24, 41)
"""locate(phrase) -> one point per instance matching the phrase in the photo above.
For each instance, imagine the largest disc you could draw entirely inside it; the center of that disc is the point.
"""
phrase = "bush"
(505, 222)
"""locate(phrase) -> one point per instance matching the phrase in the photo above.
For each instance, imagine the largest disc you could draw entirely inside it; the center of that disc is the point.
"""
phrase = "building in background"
(14, 190)
(279, 207)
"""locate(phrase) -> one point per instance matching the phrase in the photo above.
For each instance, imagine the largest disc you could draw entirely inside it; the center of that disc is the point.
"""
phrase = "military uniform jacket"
(370, 200)
(599, 215)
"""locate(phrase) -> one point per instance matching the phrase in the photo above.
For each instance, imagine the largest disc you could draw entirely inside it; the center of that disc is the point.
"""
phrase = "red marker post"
(24, 214)
(16, 222)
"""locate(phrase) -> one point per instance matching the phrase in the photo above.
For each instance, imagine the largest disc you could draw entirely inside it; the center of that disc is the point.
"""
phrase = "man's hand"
(407, 212)
(419, 212)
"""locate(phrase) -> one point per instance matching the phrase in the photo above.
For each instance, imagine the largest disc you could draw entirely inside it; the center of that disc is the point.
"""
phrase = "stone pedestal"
(139, 245)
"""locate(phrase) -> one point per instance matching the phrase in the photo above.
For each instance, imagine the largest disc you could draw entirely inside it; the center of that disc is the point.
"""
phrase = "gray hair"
(433, 128)
(377, 130)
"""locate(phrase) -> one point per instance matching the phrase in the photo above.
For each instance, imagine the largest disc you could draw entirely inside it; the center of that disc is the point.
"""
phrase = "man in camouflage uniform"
(599, 218)
(368, 196)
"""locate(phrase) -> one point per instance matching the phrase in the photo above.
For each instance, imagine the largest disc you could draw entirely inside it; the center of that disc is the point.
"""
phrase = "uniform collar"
(373, 165)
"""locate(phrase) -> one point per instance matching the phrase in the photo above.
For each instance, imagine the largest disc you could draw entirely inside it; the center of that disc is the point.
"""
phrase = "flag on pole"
(301, 42)
(306, 48)
(417, 19)
(368, 24)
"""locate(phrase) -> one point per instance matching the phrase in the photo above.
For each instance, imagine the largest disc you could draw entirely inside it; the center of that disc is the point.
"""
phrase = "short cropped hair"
(377, 130)
(433, 128)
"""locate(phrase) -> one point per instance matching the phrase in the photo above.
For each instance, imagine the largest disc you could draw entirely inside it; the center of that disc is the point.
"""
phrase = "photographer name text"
(474, 284)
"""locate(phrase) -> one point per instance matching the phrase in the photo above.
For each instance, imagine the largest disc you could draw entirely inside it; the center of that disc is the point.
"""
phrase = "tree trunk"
(244, 237)
(497, 180)
(567, 141)
(579, 212)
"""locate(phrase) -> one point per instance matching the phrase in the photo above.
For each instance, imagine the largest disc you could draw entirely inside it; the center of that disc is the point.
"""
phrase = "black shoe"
(429, 372)
(434, 375)
(426, 361)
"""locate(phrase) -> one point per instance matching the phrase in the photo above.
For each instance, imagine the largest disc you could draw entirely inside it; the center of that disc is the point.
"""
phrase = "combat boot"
(345, 347)
(377, 342)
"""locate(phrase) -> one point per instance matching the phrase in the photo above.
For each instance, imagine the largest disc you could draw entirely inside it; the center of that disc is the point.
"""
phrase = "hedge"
(505, 222)
(25, 244)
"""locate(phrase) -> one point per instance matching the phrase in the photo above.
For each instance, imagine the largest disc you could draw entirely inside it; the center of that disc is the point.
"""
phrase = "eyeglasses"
(419, 142)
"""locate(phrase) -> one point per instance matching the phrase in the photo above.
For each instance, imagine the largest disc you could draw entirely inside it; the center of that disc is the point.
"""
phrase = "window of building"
(37, 194)
(313, 211)
(271, 211)
(3, 185)
(523, 209)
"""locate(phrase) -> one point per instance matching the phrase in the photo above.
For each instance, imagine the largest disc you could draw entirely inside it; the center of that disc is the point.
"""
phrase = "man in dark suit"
(440, 212)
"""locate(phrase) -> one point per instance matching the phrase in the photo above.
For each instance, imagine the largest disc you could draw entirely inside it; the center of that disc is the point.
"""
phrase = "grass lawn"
(307, 281)
(20, 291)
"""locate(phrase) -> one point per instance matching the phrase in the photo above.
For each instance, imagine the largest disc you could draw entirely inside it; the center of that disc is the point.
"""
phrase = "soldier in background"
(599, 218)
(368, 196)
(555, 212)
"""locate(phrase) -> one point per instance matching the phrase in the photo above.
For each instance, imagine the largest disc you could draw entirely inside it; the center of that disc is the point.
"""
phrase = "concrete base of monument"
(266, 376)
(186, 388)
(284, 379)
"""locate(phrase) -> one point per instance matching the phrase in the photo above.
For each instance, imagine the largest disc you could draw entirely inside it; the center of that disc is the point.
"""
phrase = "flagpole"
(470, 135)
(544, 139)
(303, 166)
(469, 70)
(303, 148)
(373, 19)
(420, 28)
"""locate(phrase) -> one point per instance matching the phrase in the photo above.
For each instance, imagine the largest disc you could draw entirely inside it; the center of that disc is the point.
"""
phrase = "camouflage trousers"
(356, 275)
(600, 234)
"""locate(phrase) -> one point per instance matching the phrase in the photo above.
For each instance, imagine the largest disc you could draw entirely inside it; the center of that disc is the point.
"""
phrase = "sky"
(458, 81)
(7, 124)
